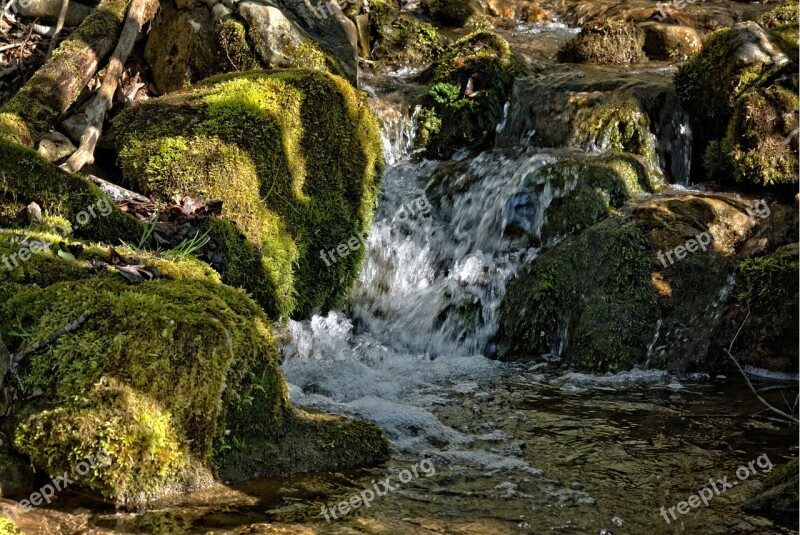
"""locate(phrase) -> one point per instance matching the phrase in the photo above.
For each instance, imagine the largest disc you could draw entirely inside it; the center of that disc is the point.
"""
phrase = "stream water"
(515, 448)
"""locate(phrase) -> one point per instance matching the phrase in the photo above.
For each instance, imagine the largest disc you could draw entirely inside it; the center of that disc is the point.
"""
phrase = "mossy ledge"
(294, 155)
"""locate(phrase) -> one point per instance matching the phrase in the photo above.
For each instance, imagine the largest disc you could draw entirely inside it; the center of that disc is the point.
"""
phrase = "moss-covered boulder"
(779, 499)
(644, 287)
(185, 46)
(566, 197)
(608, 42)
(469, 85)
(400, 36)
(670, 41)
(295, 156)
(761, 145)
(767, 288)
(739, 70)
(170, 379)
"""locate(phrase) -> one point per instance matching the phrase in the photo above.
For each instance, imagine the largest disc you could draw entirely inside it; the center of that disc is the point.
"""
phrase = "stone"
(670, 41)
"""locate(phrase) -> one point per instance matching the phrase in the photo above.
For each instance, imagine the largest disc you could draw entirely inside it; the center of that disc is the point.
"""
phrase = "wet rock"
(780, 497)
(610, 42)
(331, 30)
(645, 287)
(277, 39)
(469, 84)
(16, 476)
(594, 109)
(670, 41)
(563, 198)
(518, 10)
(740, 70)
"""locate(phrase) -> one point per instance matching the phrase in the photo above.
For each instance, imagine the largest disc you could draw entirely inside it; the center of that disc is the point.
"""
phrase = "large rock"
(623, 293)
(328, 26)
(295, 156)
(279, 41)
(741, 70)
(185, 46)
(593, 108)
(608, 42)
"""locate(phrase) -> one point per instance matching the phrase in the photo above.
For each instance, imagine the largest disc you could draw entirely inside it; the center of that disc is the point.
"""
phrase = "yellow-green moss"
(483, 63)
(7, 527)
(294, 156)
(125, 441)
(609, 42)
(754, 149)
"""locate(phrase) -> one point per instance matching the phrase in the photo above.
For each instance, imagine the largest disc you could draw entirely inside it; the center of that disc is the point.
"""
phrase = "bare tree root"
(139, 12)
(746, 378)
(36, 108)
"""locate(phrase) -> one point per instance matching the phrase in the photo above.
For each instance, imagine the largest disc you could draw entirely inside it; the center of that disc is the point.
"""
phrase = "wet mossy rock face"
(468, 87)
(295, 156)
(767, 287)
(741, 93)
(605, 300)
(399, 35)
(609, 42)
(566, 197)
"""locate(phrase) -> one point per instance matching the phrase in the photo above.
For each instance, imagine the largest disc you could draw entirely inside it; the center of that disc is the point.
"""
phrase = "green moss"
(555, 302)
(608, 42)
(7, 527)
(754, 149)
(399, 35)
(25, 177)
(295, 156)
(784, 13)
(709, 84)
(469, 84)
(457, 13)
(126, 442)
(616, 125)
(783, 474)
(231, 37)
(592, 188)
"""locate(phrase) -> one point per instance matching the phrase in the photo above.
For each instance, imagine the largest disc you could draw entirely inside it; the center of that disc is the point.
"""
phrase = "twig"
(746, 378)
(102, 101)
(16, 358)
(62, 16)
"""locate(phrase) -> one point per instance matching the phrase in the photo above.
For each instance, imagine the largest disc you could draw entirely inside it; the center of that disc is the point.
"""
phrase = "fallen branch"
(747, 378)
(96, 111)
(18, 357)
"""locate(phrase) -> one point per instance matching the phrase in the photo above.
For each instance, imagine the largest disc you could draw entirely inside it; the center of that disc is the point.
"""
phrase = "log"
(101, 103)
(36, 108)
